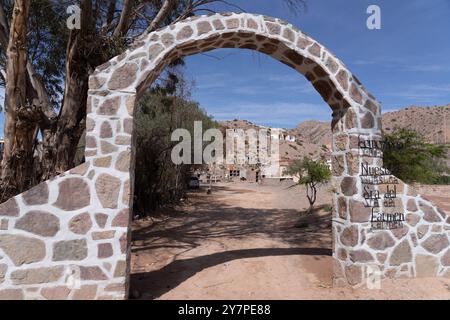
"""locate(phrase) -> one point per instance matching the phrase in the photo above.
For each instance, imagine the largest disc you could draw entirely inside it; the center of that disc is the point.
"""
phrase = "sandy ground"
(241, 243)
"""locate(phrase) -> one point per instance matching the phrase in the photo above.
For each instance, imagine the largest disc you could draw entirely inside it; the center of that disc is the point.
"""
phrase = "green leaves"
(309, 171)
(310, 174)
(158, 181)
(411, 159)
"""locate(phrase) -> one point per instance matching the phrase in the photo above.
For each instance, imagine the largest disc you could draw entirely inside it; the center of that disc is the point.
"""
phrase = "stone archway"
(80, 220)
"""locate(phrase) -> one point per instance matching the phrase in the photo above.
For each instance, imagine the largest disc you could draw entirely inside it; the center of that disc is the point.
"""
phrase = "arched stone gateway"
(70, 237)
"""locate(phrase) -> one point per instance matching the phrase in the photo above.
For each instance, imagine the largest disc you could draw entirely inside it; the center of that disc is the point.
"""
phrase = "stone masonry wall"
(79, 223)
(65, 239)
(418, 247)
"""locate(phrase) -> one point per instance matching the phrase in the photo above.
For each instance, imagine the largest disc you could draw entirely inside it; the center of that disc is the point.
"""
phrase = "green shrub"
(411, 159)
(311, 174)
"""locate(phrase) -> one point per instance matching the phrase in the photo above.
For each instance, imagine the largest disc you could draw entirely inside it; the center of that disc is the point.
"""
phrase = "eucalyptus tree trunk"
(71, 122)
(27, 104)
(82, 56)
(19, 132)
(79, 65)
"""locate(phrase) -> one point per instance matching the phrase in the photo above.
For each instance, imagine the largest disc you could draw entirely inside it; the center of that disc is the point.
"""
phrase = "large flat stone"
(108, 188)
(55, 293)
(9, 208)
(361, 256)
(86, 292)
(40, 223)
(71, 250)
(436, 243)
(430, 214)
(80, 224)
(37, 195)
(123, 161)
(401, 254)
(426, 266)
(353, 274)
(349, 236)
(358, 212)
(74, 194)
(380, 241)
(11, 294)
(122, 219)
(37, 276)
(123, 77)
(109, 107)
(22, 250)
(120, 270)
(348, 186)
(92, 273)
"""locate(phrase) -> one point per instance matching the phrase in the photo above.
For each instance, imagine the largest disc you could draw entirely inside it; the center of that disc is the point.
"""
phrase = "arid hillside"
(289, 150)
(315, 132)
(431, 122)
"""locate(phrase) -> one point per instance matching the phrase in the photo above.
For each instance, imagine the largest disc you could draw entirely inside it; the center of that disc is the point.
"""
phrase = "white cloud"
(397, 64)
(365, 62)
(426, 68)
(422, 92)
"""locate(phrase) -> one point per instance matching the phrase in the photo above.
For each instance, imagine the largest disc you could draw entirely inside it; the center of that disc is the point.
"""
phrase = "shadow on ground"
(235, 222)
(212, 219)
(180, 270)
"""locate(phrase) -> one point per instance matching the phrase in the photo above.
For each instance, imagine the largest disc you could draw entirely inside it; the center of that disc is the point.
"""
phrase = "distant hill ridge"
(433, 123)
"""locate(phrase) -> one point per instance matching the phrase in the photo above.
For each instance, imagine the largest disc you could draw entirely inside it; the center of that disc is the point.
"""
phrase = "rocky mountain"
(315, 132)
(290, 150)
(433, 123)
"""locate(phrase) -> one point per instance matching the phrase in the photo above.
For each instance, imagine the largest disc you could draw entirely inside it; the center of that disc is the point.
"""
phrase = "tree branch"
(86, 16)
(110, 14)
(34, 79)
(41, 93)
(3, 73)
(4, 28)
(160, 16)
(124, 22)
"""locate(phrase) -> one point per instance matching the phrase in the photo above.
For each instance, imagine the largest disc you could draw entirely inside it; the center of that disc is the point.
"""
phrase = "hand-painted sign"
(384, 214)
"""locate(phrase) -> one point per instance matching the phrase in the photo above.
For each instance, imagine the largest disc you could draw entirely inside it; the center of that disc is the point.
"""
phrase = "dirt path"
(241, 243)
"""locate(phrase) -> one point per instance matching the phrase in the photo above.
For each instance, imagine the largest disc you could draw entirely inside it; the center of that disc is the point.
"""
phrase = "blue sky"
(405, 63)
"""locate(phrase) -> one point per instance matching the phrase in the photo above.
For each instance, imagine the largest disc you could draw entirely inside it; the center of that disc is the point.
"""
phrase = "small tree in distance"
(311, 174)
